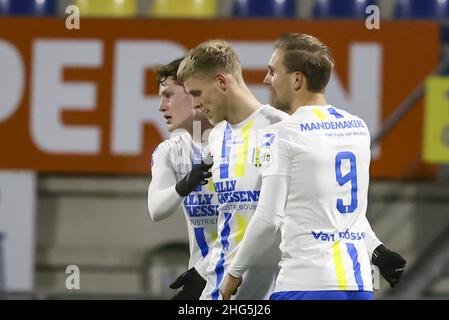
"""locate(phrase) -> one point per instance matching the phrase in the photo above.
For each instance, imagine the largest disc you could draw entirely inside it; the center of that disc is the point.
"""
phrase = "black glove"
(391, 264)
(192, 285)
(194, 178)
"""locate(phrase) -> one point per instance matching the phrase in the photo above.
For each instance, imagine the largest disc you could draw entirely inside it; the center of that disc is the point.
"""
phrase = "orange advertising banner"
(86, 100)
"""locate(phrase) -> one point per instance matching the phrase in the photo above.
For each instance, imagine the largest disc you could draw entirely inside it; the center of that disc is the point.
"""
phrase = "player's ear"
(298, 80)
(222, 81)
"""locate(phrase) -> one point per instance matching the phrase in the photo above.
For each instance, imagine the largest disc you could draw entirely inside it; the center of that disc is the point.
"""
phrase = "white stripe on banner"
(17, 225)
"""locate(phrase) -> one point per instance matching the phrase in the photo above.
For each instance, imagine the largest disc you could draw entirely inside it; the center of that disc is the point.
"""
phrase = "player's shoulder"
(344, 113)
(285, 130)
(272, 115)
(218, 129)
(221, 126)
(285, 124)
(322, 113)
(174, 143)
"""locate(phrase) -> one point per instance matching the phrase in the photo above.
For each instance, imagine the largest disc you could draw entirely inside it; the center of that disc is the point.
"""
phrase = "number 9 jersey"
(326, 153)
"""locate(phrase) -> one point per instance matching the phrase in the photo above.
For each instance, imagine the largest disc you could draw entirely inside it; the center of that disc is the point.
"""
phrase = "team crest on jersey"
(267, 139)
(266, 149)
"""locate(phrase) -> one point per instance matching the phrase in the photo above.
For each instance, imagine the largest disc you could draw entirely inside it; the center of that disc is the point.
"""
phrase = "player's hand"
(391, 264)
(229, 286)
(198, 176)
(192, 285)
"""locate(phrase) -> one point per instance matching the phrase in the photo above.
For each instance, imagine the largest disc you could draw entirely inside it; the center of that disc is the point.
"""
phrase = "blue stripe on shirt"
(201, 241)
(219, 269)
(356, 265)
(225, 150)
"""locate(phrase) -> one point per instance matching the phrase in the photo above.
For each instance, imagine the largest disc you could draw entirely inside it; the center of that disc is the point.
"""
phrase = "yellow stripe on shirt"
(339, 268)
(319, 114)
(242, 151)
(211, 185)
(214, 236)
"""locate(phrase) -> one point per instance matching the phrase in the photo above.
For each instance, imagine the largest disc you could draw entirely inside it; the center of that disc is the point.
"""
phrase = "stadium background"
(79, 120)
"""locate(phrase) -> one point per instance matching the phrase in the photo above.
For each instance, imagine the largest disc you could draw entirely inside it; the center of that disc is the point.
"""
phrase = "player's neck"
(308, 99)
(241, 104)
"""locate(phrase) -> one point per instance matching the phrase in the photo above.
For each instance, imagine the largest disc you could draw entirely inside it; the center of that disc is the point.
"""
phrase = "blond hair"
(209, 57)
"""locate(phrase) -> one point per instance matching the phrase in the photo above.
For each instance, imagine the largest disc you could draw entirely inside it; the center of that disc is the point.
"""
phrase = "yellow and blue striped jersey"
(237, 181)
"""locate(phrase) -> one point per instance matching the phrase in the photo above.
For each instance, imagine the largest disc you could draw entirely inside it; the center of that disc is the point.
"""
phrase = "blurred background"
(79, 121)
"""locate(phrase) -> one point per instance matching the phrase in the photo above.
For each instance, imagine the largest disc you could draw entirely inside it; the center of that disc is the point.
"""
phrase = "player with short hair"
(181, 180)
(212, 74)
(315, 169)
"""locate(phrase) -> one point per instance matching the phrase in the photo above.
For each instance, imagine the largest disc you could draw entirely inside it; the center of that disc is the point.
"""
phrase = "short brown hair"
(308, 55)
(213, 55)
(169, 70)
